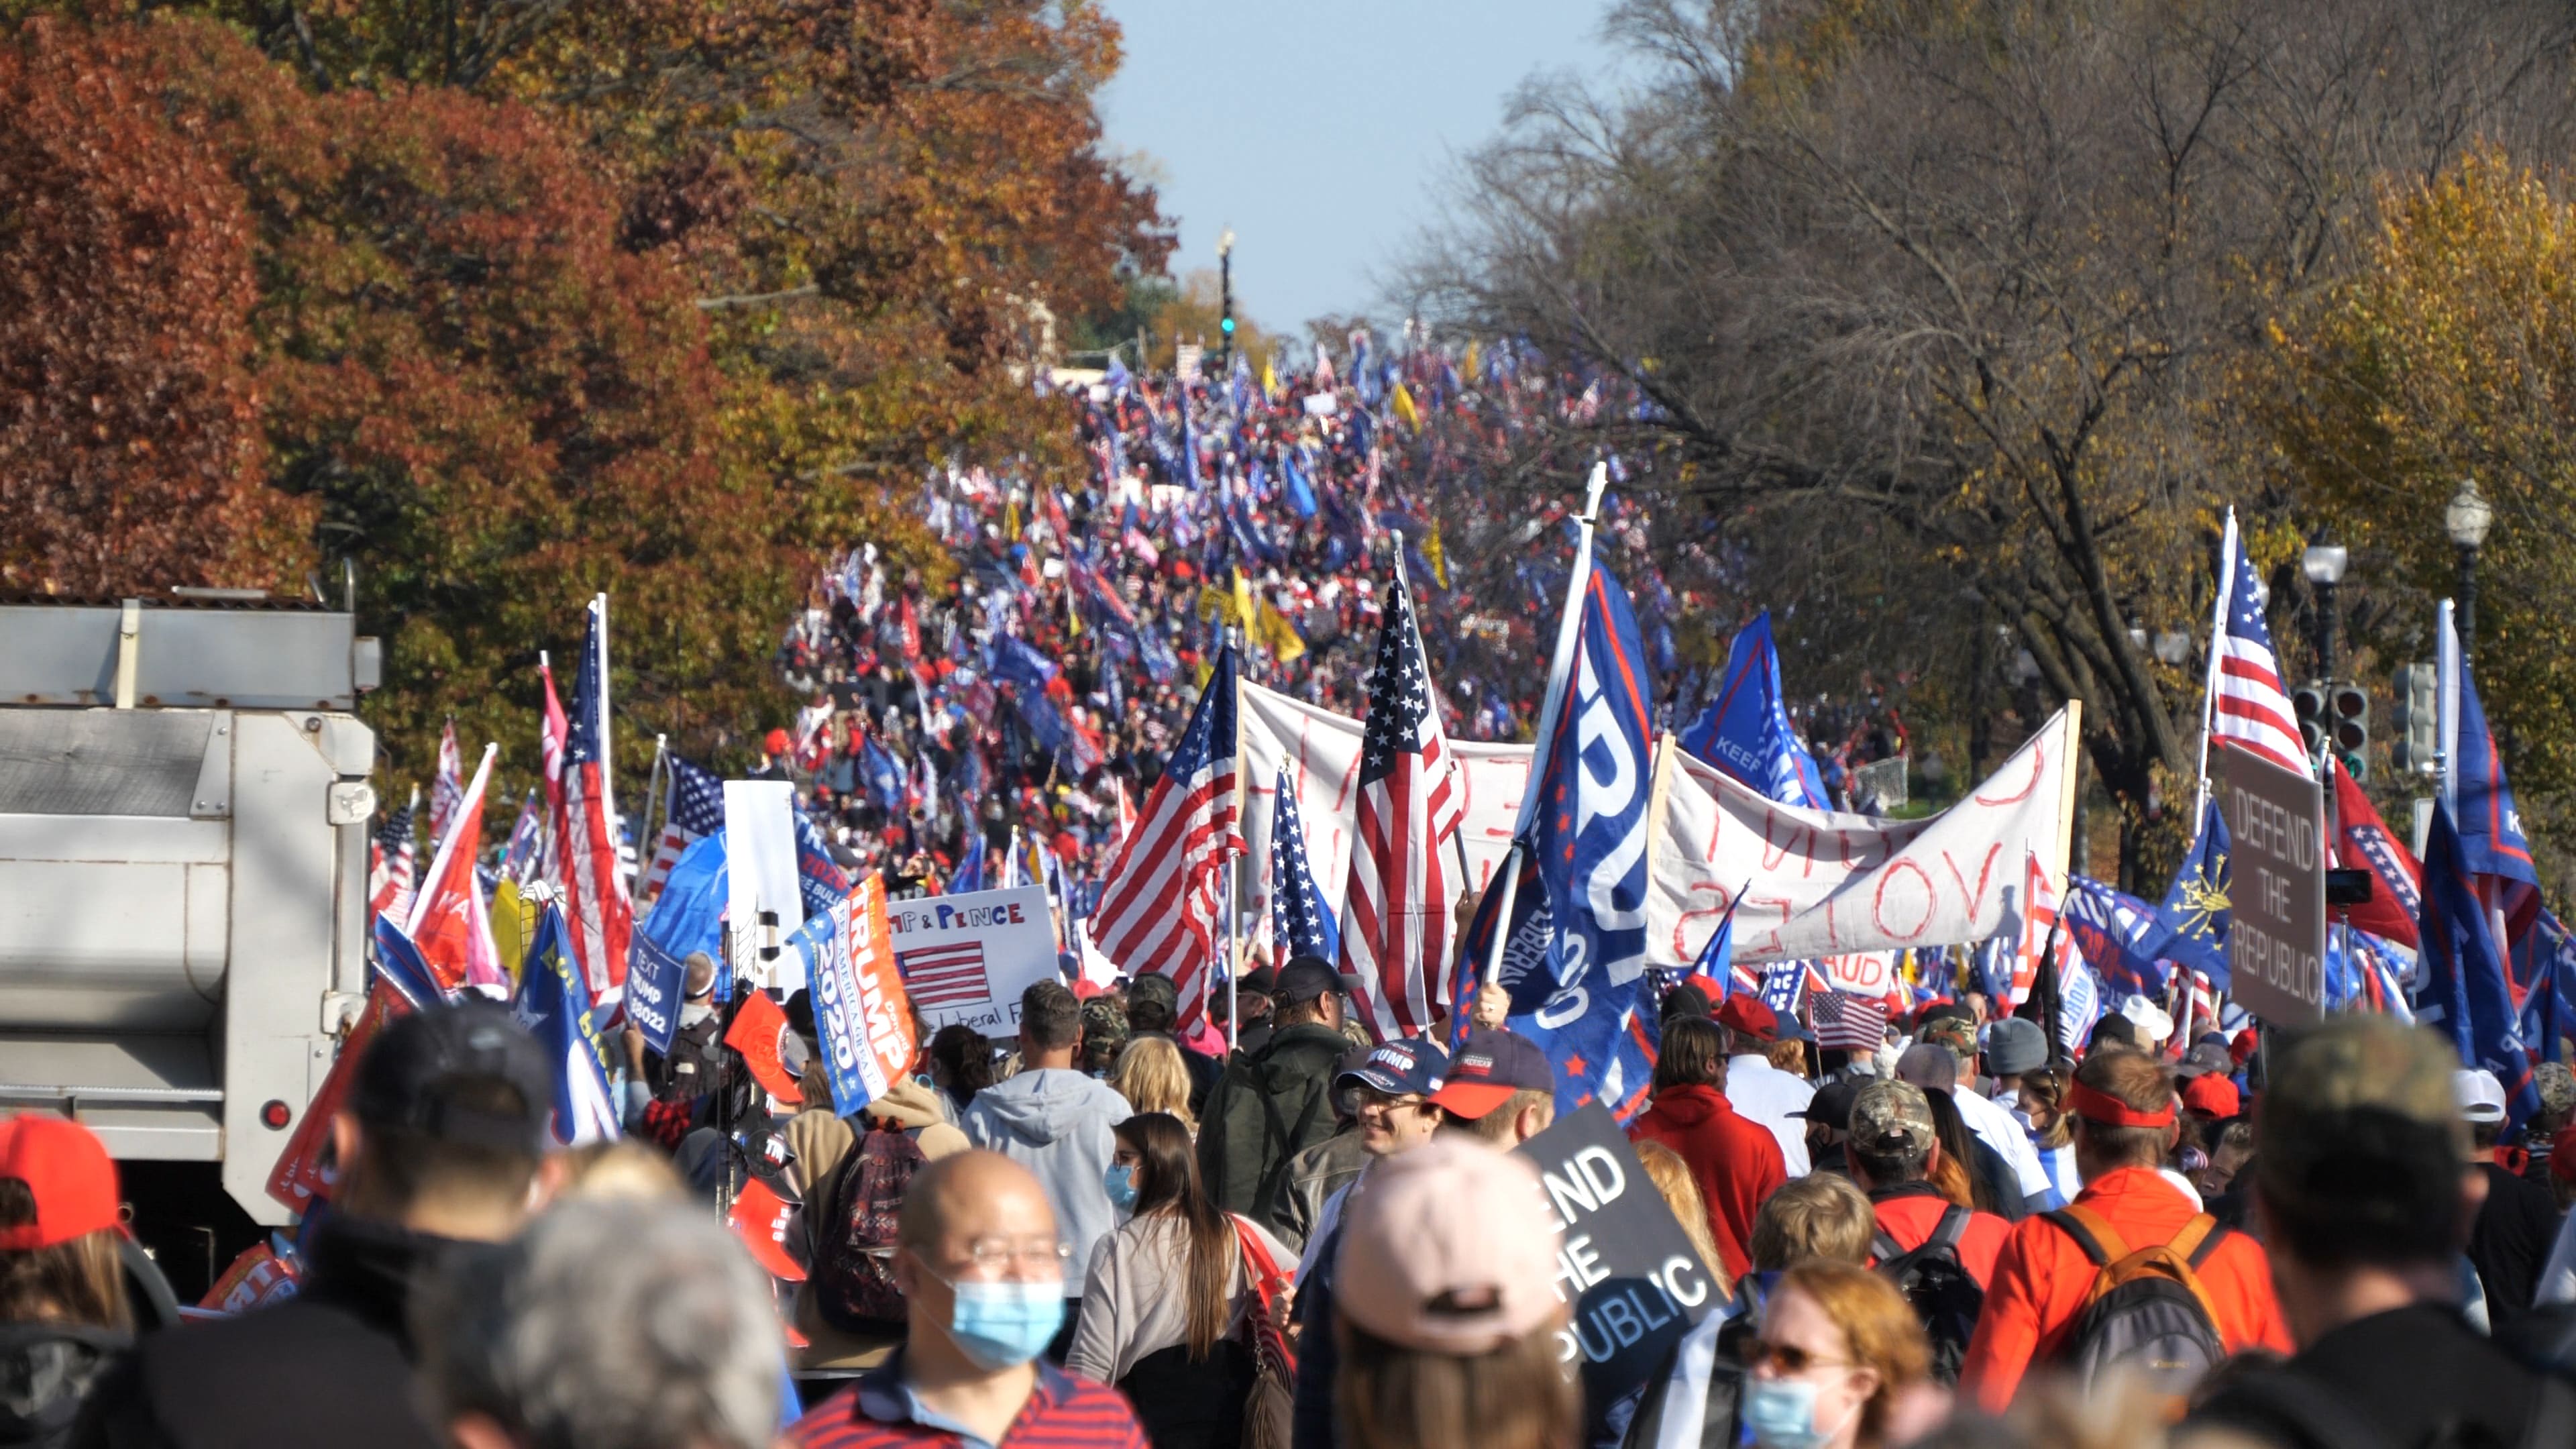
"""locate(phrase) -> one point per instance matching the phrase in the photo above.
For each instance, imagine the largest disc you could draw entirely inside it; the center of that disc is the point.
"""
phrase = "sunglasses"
(1788, 1358)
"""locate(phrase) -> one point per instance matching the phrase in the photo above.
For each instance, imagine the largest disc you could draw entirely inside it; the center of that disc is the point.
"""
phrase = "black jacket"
(2510, 1243)
(46, 1372)
(2402, 1379)
(1268, 1107)
(331, 1366)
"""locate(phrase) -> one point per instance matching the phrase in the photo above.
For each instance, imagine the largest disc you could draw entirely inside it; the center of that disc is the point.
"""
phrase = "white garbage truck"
(184, 820)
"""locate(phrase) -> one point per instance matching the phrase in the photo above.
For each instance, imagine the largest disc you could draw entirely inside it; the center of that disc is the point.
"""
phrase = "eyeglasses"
(1372, 1099)
(997, 1253)
(1788, 1358)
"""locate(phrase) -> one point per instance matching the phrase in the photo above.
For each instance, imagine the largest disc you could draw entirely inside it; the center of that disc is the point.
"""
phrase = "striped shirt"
(881, 1412)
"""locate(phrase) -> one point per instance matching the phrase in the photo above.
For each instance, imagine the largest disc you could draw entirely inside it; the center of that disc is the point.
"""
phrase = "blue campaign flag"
(1301, 494)
(1046, 724)
(2545, 963)
(1745, 731)
(554, 1006)
(2192, 922)
(1714, 969)
(1524, 965)
(2491, 838)
(1016, 661)
(2464, 994)
(819, 878)
(399, 963)
(655, 979)
(1784, 985)
(689, 913)
(882, 775)
(2115, 933)
(969, 874)
(1599, 1025)
(1299, 924)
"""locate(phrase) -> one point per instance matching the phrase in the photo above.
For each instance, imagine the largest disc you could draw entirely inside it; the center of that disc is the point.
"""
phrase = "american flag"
(2040, 891)
(1395, 932)
(950, 975)
(391, 862)
(1299, 924)
(447, 788)
(596, 909)
(2246, 701)
(692, 808)
(1852, 1023)
(526, 837)
(1159, 905)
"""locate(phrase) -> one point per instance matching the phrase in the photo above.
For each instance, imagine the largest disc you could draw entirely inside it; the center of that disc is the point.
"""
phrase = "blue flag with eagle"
(2192, 923)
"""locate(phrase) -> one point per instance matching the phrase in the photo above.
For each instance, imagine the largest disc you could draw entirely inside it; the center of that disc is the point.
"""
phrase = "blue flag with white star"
(2463, 993)
(1299, 924)
(2191, 925)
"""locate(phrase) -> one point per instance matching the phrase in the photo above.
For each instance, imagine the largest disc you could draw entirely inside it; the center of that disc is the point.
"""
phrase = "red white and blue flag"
(447, 787)
(1159, 905)
(2363, 841)
(597, 915)
(2247, 702)
(692, 809)
(393, 864)
(1402, 887)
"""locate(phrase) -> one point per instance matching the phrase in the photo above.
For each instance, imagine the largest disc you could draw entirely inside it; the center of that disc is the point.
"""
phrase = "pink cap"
(1449, 1249)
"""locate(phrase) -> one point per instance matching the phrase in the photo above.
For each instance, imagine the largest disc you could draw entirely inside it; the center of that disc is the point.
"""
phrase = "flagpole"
(2447, 706)
(1233, 870)
(644, 828)
(2229, 543)
(1569, 630)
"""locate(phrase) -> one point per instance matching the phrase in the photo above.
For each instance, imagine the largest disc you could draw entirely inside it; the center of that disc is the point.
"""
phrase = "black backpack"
(2147, 1310)
(1943, 1293)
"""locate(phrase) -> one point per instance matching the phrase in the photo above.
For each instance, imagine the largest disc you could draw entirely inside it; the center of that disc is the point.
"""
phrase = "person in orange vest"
(2054, 1296)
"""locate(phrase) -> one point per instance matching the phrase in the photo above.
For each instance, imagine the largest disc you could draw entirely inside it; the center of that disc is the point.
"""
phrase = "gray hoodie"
(1056, 1123)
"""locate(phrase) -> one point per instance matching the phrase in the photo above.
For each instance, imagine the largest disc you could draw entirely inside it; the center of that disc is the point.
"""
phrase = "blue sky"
(1321, 130)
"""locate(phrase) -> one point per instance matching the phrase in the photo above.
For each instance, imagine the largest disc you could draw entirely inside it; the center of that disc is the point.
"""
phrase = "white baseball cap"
(2480, 1095)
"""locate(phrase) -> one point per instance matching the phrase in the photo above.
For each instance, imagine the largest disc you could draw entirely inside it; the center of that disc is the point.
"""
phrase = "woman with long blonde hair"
(1150, 1074)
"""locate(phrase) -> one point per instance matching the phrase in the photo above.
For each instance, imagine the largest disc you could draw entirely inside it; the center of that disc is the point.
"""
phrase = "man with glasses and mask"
(982, 1269)
(1395, 1084)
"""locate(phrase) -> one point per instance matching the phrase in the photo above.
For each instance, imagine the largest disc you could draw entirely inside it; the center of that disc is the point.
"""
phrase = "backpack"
(853, 1272)
(2147, 1310)
(1944, 1295)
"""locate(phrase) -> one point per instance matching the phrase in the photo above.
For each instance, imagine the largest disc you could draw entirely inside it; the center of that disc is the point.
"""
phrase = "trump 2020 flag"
(1523, 971)
(862, 1018)
(2464, 994)
(1299, 924)
(1598, 1026)
(555, 1008)
(819, 878)
(1745, 731)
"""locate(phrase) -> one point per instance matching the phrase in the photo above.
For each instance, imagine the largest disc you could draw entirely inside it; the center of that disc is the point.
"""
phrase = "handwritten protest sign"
(967, 958)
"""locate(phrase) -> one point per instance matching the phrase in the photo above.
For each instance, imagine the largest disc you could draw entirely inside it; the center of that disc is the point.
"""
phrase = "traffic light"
(2308, 702)
(2348, 707)
(1226, 326)
(2419, 731)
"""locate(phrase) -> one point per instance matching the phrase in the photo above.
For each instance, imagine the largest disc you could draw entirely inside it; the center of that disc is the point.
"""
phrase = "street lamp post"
(2467, 520)
(2324, 564)
(1225, 300)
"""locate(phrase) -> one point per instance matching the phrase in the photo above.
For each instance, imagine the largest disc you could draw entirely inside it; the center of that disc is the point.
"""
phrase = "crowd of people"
(1017, 698)
(1307, 1240)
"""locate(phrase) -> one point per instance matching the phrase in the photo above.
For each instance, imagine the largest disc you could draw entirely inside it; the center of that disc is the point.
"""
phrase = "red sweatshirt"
(1735, 1160)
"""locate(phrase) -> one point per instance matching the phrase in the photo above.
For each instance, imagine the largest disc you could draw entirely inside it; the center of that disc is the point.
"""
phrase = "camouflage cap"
(2361, 1140)
(1956, 1034)
(1891, 1119)
(2557, 1087)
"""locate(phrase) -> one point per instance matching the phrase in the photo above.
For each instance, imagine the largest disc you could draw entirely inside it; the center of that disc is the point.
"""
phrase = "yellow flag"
(510, 934)
(1405, 409)
(1435, 556)
(1011, 520)
(1216, 606)
(1467, 372)
(1278, 635)
(1243, 610)
(1269, 380)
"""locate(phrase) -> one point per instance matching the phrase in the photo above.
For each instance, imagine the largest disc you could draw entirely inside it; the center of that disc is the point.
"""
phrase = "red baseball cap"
(1488, 1069)
(67, 1169)
(775, 742)
(2211, 1095)
(1745, 1013)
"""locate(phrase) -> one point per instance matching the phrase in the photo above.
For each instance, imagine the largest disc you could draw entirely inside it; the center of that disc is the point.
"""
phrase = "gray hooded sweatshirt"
(1056, 1123)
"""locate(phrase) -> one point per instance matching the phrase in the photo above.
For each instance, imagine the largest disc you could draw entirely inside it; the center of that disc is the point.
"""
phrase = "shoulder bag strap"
(2082, 1224)
(1952, 1227)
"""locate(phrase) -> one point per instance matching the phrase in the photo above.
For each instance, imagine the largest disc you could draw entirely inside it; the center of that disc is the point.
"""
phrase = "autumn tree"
(2450, 354)
(1973, 275)
(131, 450)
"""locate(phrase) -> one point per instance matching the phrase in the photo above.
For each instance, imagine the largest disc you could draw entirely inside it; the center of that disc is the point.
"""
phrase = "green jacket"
(1268, 1107)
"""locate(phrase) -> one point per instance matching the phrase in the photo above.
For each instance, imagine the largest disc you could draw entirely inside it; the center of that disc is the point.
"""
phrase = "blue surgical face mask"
(1004, 1325)
(1781, 1413)
(1121, 1182)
